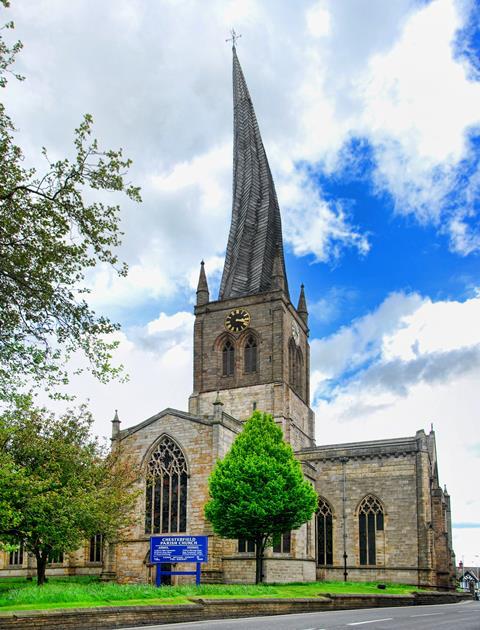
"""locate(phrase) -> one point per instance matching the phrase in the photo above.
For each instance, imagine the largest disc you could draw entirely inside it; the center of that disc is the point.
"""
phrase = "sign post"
(173, 549)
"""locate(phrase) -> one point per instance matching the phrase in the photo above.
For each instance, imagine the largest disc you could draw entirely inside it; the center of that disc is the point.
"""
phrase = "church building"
(382, 514)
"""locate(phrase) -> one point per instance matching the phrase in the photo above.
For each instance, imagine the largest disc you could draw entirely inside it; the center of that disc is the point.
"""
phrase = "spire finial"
(233, 38)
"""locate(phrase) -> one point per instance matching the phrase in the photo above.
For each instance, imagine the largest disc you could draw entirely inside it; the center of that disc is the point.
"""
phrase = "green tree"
(59, 485)
(258, 491)
(54, 227)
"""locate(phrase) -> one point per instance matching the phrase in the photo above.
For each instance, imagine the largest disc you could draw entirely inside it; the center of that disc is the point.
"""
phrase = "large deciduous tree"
(54, 227)
(258, 491)
(59, 486)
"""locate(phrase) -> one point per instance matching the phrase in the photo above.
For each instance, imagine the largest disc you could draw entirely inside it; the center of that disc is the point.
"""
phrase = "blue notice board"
(171, 549)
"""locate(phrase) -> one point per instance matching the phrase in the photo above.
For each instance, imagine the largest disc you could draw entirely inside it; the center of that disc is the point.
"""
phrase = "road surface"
(462, 616)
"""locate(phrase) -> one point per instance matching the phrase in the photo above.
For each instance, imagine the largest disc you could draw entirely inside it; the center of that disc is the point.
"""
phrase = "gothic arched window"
(228, 358)
(291, 362)
(370, 521)
(295, 367)
(166, 489)
(250, 355)
(299, 372)
(324, 533)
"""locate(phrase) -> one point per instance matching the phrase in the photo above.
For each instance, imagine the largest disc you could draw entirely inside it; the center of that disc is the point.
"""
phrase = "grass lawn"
(76, 592)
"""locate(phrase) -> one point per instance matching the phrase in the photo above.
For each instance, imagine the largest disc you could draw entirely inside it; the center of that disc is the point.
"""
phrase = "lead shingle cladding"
(256, 228)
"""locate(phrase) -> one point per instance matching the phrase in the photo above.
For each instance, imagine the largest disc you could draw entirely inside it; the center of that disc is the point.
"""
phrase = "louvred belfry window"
(370, 520)
(166, 489)
(251, 355)
(228, 358)
(324, 533)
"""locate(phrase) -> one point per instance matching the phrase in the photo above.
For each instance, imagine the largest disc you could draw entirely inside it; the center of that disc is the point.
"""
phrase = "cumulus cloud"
(356, 345)
(405, 341)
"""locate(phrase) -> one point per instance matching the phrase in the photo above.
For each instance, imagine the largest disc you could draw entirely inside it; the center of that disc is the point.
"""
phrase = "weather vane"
(233, 37)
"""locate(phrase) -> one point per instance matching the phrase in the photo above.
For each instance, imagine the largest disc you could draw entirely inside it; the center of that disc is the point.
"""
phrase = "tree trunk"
(41, 566)
(259, 547)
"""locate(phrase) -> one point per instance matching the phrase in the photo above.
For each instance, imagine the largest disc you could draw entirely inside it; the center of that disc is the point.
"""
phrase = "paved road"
(463, 616)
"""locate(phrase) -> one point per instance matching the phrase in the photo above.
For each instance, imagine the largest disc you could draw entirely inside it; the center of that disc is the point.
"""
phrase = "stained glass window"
(324, 533)
(370, 520)
(166, 489)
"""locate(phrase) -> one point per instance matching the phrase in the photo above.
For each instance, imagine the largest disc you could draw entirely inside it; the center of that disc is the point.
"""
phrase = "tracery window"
(370, 521)
(166, 489)
(250, 355)
(324, 533)
(16, 557)
(228, 358)
(95, 551)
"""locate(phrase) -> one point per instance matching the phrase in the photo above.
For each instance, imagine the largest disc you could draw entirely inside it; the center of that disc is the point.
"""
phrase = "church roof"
(256, 230)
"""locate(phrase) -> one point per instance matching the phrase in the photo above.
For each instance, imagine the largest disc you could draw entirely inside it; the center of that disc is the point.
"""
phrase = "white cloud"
(318, 20)
(355, 345)
(157, 359)
(315, 226)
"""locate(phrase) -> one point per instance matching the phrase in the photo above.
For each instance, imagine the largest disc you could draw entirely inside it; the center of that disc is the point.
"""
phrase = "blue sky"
(370, 115)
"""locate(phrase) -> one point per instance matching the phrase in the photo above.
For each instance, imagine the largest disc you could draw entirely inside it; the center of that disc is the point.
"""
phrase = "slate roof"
(256, 228)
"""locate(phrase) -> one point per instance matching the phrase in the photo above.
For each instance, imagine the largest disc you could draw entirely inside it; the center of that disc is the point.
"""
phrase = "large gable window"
(370, 521)
(166, 489)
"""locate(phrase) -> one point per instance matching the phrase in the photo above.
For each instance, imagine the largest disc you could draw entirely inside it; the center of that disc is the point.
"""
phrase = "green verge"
(86, 592)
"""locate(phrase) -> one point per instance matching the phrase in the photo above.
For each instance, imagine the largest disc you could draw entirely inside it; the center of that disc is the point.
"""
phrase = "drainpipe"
(344, 460)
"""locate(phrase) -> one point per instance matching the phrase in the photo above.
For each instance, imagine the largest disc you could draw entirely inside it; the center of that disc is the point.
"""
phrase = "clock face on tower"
(237, 320)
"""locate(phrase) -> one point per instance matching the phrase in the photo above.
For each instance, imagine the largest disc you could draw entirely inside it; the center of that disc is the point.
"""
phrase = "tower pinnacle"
(256, 228)
(203, 295)
(302, 305)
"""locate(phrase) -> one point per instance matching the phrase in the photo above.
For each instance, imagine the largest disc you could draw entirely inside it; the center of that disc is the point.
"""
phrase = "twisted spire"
(256, 228)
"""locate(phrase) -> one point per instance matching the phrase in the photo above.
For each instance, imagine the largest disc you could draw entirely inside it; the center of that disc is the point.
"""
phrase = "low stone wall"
(204, 609)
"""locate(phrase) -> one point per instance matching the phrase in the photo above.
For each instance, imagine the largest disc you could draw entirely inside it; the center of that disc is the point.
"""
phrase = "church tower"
(251, 345)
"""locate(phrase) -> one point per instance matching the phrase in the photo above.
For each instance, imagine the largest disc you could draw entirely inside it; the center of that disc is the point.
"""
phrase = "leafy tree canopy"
(54, 227)
(258, 490)
(59, 485)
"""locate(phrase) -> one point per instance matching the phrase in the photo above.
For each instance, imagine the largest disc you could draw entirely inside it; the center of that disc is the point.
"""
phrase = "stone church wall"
(200, 442)
(393, 481)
